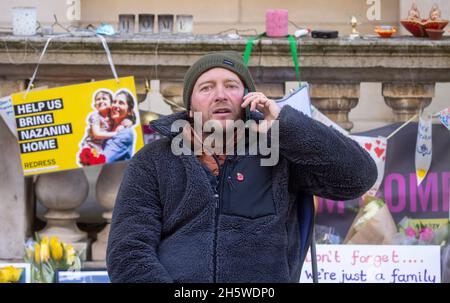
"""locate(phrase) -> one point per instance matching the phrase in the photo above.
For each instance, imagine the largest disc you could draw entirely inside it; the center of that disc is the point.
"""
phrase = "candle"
(277, 22)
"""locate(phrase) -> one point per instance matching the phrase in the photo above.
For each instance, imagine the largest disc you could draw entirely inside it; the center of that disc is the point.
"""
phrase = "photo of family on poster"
(110, 135)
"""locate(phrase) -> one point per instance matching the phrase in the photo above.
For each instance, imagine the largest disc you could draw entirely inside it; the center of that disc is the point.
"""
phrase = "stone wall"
(214, 16)
(402, 75)
(248, 16)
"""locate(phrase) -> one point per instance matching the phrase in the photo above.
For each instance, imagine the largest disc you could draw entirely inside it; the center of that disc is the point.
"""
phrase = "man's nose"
(220, 93)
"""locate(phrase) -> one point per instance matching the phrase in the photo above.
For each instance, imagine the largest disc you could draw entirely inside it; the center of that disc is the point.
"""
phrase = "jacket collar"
(163, 125)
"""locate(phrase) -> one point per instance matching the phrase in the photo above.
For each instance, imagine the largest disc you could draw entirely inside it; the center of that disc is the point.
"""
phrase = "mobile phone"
(247, 108)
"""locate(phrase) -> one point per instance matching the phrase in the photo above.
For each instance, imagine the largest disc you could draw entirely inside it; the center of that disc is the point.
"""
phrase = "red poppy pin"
(239, 177)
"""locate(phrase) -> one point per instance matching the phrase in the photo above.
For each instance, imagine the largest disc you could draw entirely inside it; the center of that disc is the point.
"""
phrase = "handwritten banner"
(375, 264)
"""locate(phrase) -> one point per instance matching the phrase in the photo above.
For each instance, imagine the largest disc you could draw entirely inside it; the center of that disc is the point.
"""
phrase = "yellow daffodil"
(48, 254)
(37, 253)
(29, 252)
(10, 274)
(45, 249)
(56, 249)
(15, 273)
(70, 254)
(4, 275)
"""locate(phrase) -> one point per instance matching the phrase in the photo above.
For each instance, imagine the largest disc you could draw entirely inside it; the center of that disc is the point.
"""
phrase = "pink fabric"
(277, 22)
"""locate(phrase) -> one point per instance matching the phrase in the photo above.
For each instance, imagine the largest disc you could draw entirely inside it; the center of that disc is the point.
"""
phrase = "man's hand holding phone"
(258, 101)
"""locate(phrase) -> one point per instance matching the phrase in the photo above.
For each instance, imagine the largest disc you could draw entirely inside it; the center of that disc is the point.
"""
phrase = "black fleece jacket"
(172, 223)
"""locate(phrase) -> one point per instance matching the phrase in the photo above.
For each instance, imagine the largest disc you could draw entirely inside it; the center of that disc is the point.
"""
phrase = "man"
(226, 218)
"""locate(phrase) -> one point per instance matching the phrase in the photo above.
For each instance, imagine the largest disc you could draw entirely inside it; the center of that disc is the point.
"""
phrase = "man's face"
(218, 94)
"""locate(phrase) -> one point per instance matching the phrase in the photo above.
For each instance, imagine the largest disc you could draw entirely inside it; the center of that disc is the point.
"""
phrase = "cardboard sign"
(78, 125)
(375, 264)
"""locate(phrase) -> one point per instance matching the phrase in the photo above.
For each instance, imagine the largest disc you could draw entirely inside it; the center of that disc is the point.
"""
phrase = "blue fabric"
(306, 221)
(166, 226)
(119, 147)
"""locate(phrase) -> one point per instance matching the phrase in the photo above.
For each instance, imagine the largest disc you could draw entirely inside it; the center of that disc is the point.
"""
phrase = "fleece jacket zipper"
(218, 196)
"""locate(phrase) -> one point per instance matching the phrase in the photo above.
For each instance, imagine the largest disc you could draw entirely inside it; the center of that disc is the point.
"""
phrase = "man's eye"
(205, 88)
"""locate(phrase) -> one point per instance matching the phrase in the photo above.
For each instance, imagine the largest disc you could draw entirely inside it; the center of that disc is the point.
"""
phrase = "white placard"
(7, 113)
(375, 264)
(299, 99)
(376, 147)
(318, 116)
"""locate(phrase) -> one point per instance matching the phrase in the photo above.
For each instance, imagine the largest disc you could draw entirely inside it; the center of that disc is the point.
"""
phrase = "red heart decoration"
(378, 142)
(368, 146)
(379, 151)
(384, 158)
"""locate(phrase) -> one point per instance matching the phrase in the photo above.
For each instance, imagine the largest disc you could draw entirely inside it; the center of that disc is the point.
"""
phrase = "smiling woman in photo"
(120, 147)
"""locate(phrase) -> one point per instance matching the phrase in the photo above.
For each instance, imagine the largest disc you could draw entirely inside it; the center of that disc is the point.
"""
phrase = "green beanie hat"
(230, 60)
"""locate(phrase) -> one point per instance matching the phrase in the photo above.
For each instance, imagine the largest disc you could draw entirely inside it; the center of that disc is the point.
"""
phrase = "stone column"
(62, 193)
(16, 202)
(107, 188)
(336, 100)
(406, 99)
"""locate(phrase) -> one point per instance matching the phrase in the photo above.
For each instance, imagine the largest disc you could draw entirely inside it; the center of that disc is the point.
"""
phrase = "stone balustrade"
(408, 69)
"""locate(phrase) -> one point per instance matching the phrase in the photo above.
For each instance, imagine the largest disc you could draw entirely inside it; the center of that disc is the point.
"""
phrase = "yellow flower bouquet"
(46, 257)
